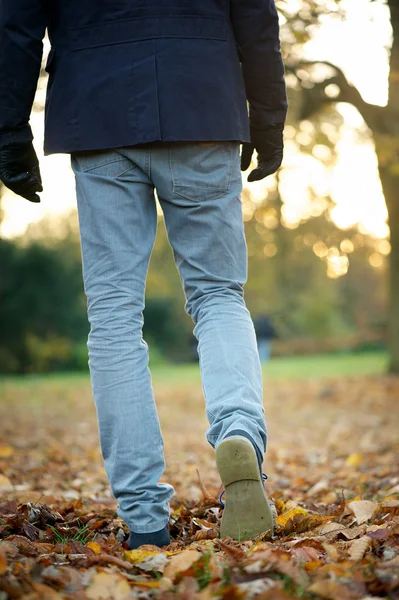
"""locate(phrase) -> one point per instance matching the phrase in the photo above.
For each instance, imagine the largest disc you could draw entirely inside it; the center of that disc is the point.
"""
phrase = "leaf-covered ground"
(333, 475)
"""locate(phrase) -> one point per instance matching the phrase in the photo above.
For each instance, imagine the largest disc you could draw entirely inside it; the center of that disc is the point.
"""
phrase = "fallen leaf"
(45, 592)
(108, 586)
(351, 533)
(378, 533)
(138, 556)
(147, 584)
(276, 594)
(320, 486)
(180, 562)
(3, 562)
(302, 523)
(390, 503)
(363, 510)
(354, 460)
(95, 547)
(359, 548)
(331, 590)
(6, 451)
(306, 553)
(283, 519)
(5, 484)
(157, 562)
(330, 530)
(207, 498)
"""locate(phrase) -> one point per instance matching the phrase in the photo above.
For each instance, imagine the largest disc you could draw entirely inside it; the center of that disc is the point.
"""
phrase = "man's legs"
(199, 189)
(117, 217)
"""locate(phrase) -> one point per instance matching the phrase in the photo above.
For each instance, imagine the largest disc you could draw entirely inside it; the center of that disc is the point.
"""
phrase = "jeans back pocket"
(202, 171)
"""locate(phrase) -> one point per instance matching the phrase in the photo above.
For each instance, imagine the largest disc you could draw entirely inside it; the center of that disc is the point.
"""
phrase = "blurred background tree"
(323, 85)
(324, 287)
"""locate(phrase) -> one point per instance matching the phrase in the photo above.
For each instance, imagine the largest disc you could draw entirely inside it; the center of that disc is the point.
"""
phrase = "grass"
(281, 368)
(82, 535)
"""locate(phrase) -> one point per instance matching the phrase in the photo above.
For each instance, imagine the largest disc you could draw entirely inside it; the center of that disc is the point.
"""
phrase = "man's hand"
(269, 145)
(19, 170)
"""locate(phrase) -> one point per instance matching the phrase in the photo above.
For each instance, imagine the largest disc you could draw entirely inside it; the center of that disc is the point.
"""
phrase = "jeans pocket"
(101, 162)
(202, 171)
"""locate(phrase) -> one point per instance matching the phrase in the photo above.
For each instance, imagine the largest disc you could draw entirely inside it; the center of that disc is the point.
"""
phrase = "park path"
(333, 474)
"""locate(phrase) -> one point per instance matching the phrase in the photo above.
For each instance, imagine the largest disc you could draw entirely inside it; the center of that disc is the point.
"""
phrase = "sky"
(359, 46)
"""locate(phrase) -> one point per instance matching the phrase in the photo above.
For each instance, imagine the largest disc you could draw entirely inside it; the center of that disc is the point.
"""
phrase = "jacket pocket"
(202, 172)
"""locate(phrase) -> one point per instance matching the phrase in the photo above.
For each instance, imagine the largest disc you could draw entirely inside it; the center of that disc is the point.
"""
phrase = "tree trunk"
(390, 185)
(389, 174)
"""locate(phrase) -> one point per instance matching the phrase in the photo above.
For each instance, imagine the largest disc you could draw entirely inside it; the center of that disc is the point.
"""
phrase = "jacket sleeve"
(256, 29)
(22, 27)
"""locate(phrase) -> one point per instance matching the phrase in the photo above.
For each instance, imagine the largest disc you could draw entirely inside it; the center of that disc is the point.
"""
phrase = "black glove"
(19, 170)
(269, 145)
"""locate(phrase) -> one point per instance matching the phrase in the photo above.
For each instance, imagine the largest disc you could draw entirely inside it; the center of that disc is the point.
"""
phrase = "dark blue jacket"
(124, 72)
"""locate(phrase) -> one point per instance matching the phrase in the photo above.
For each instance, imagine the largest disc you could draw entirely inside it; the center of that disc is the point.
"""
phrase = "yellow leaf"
(280, 507)
(181, 562)
(147, 584)
(354, 460)
(6, 451)
(283, 519)
(95, 547)
(137, 556)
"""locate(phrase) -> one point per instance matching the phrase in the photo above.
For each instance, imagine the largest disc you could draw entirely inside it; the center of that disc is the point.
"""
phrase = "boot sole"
(247, 511)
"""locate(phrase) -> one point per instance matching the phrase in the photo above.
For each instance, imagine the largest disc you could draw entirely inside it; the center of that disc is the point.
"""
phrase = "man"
(153, 95)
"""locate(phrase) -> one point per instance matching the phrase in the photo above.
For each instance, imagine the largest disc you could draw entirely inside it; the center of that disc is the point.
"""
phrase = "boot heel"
(247, 512)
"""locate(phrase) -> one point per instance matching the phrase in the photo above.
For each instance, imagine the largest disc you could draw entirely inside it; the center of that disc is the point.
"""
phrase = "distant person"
(265, 333)
(153, 95)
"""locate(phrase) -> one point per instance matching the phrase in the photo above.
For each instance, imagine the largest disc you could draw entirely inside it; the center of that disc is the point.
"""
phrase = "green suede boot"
(247, 511)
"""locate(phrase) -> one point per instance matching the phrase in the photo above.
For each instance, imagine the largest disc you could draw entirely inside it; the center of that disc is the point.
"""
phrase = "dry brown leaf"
(330, 530)
(330, 590)
(108, 586)
(207, 498)
(3, 562)
(306, 553)
(302, 523)
(45, 592)
(350, 533)
(359, 547)
(205, 534)
(275, 594)
(363, 510)
(180, 562)
(331, 551)
(232, 552)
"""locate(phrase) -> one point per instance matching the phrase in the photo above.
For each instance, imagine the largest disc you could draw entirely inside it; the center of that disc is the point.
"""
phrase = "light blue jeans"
(198, 186)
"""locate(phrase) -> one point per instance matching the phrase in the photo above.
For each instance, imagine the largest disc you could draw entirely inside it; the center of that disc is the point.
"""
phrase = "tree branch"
(378, 118)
